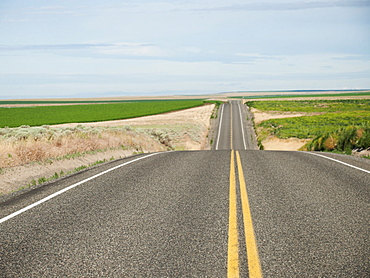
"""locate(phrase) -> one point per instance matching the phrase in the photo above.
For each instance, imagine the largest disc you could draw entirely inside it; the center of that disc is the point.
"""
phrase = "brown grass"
(30, 154)
(330, 143)
(40, 148)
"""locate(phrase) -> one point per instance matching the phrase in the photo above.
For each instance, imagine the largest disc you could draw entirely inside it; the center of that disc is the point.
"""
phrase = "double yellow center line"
(254, 266)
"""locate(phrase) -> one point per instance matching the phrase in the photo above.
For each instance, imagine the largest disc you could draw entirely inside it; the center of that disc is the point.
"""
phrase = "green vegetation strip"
(20, 102)
(342, 140)
(342, 124)
(306, 95)
(312, 126)
(49, 115)
(335, 114)
(312, 106)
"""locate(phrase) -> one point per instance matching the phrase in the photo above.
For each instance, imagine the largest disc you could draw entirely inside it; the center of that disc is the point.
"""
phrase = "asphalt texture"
(235, 128)
(167, 215)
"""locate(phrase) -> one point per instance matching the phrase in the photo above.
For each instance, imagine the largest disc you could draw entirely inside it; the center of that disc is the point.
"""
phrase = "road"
(235, 130)
(229, 212)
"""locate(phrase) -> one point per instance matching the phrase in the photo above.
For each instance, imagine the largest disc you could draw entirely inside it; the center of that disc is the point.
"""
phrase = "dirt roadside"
(273, 143)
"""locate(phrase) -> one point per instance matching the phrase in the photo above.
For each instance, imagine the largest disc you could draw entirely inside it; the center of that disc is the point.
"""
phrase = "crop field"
(313, 106)
(49, 115)
(15, 102)
(349, 119)
(316, 95)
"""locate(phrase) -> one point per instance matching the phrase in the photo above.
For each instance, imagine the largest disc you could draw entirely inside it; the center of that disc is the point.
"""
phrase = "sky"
(90, 48)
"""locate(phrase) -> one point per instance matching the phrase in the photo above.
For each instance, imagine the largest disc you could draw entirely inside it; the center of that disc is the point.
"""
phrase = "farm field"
(339, 120)
(316, 95)
(50, 115)
(33, 155)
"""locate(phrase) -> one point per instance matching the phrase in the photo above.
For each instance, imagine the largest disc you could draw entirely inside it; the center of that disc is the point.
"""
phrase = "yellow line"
(233, 252)
(231, 126)
(254, 265)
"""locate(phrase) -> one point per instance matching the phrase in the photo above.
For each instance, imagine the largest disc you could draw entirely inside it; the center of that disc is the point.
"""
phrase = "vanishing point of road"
(233, 211)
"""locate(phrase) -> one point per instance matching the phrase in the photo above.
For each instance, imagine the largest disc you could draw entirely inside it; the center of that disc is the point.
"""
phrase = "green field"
(348, 94)
(312, 126)
(15, 102)
(49, 115)
(341, 105)
(346, 119)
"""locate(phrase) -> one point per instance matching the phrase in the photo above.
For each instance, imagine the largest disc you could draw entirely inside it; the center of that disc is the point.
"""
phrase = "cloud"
(131, 49)
(295, 5)
(248, 57)
(190, 49)
(46, 47)
(14, 20)
(50, 8)
(353, 58)
(54, 10)
(121, 48)
(117, 50)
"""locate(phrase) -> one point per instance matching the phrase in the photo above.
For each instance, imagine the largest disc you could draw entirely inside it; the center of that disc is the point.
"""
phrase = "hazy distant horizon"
(153, 95)
(51, 48)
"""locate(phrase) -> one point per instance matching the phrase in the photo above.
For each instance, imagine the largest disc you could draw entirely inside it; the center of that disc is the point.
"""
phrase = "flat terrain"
(189, 214)
(51, 114)
(187, 128)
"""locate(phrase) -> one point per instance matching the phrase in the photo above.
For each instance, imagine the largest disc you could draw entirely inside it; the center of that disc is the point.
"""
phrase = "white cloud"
(257, 56)
(55, 10)
(50, 8)
(131, 49)
(190, 49)
(286, 5)
(152, 46)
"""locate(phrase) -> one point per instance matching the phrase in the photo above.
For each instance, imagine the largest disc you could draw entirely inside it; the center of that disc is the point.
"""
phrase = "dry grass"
(24, 145)
(30, 155)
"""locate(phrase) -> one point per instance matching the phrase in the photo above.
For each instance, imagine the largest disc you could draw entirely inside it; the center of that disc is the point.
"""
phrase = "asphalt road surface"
(235, 129)
(230, 212)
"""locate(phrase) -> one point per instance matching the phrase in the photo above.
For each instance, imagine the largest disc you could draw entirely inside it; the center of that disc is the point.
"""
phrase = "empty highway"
(233, 211)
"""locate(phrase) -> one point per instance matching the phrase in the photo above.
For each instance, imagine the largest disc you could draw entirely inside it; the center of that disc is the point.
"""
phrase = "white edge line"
(358, 168)
(68, 188)
(241, 124)
(219, 127)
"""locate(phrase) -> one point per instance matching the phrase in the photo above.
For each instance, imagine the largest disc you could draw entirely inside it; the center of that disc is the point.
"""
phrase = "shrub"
(364, 140)
(331, 142)
(343, 140)
(347, 139)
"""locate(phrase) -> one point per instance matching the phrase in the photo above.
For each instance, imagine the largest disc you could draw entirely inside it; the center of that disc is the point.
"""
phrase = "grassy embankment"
(341, 126)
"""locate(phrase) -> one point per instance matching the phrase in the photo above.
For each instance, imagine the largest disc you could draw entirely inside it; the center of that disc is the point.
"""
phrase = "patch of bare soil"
(276, 144)
(197, 115)
(180, 130)
(187, 128)
(260, 116)
(361, 153)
